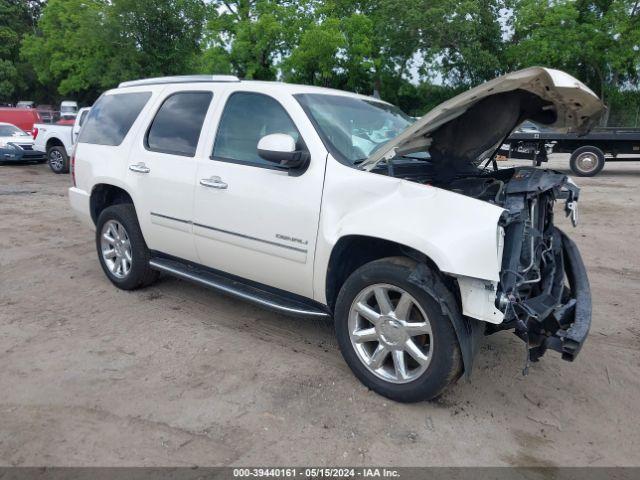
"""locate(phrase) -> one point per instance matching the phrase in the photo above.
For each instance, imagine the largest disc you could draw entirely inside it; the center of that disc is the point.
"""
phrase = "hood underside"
(471, 126)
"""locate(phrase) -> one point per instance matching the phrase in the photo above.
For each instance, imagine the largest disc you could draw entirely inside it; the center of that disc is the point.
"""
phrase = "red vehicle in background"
(23, 118)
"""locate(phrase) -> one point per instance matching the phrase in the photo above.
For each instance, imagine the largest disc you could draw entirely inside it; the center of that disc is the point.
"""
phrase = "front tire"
(122, 251)
(58, 160)
(393, 334)
(587, 161)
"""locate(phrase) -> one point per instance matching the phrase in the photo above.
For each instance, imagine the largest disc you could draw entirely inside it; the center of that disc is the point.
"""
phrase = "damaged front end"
(544, 290)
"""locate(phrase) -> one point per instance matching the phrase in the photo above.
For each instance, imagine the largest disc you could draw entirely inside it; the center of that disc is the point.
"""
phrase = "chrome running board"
(257, 294)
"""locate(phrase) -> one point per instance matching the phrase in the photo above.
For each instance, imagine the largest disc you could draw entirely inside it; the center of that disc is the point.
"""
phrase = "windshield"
(353, 128)
(11, 131)
(66, 109)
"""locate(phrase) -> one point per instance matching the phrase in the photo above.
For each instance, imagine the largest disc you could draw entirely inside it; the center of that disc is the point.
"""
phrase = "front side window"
(248, 117)
(111, 118)
(177, 125)
(353, 128)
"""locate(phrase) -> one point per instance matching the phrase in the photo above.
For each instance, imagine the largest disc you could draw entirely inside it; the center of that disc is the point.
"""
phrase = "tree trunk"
(607, 113)
(615, 80)
(377, 86)
(604, 121)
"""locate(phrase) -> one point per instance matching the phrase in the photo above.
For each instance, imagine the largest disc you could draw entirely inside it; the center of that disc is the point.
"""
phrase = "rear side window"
(177, 125)
(111, 118)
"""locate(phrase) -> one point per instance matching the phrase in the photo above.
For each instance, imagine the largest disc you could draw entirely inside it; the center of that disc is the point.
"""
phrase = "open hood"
(471, 126)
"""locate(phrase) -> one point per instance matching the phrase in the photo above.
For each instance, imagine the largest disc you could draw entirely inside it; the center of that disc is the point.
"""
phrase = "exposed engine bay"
(537, 284)
(533, 293)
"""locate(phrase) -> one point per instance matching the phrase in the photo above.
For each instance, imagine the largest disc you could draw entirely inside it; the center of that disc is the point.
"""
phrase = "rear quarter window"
(111, 118)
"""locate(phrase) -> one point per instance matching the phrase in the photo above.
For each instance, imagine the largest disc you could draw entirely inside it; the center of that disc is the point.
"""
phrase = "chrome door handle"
(213, 182)
(139, 167)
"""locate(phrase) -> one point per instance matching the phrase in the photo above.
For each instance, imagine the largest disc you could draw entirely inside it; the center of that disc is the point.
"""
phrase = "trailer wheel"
(587, 161)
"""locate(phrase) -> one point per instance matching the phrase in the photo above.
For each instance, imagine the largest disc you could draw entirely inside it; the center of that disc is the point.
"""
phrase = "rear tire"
(587, 161)
(404, 374)
(58, 159)
(122, 251)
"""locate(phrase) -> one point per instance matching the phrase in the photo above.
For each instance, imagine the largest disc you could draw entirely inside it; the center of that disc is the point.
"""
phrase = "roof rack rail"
(180, 79)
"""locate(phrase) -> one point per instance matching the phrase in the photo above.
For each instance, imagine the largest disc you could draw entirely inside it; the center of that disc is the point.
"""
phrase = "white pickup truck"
(321, 203)
(58, 141)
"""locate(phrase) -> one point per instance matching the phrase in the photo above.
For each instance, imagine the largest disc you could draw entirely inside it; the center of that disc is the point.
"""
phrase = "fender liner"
(468, 330)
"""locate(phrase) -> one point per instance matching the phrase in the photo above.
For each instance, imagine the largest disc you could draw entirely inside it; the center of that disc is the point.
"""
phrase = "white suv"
(323, 203)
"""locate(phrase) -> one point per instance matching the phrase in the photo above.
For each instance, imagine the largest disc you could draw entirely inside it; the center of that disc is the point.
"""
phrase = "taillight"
(34, 132)
(73, 165)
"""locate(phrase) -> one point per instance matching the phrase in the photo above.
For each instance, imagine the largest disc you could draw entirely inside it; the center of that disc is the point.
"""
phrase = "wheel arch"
(352, 251)
(104, 195)
(54, 142)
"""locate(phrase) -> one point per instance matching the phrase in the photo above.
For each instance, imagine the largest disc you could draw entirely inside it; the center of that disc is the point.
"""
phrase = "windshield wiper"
(422, 159)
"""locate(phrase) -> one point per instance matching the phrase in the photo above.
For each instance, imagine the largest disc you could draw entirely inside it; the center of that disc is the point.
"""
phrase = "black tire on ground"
(140, 274)
(587, 161)
(58, 159)
(446, 364)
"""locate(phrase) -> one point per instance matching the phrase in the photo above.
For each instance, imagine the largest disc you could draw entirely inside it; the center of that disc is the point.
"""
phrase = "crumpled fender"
(468, 331)
(458, 233)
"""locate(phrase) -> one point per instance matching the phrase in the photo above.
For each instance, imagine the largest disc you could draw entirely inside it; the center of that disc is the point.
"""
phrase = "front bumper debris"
(560, 319)
(577, 312)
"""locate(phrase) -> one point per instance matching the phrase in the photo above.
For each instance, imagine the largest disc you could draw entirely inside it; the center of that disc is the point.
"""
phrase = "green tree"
(157, 37)
(595, 40)
(87, 46)
(369, 45)
(73, 47)
(315, 61)
(469, 47)
(353, 44)
(335, 53)
(253, 36)
(17, 18)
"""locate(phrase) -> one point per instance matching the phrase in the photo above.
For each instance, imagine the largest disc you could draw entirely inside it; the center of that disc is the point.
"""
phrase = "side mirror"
(280, 148)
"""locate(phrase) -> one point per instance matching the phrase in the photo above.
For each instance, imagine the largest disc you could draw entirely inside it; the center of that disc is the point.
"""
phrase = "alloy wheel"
(56, 160)
(390, 333)
(116, 248)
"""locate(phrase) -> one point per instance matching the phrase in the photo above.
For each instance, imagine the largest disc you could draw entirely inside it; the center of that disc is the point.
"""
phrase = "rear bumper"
(80, 204)
(577, 312)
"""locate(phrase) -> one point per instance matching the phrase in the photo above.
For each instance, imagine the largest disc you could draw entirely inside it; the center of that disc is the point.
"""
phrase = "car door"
(162, 168)
(251, 218)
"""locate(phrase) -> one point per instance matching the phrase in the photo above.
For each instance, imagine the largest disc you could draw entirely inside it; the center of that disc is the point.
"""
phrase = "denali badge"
(292, 239)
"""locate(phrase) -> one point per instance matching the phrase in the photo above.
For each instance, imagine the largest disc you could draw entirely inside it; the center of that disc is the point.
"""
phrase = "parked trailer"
(588, 152)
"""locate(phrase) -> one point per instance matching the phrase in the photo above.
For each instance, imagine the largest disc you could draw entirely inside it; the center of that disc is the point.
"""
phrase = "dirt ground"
(179, 375)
